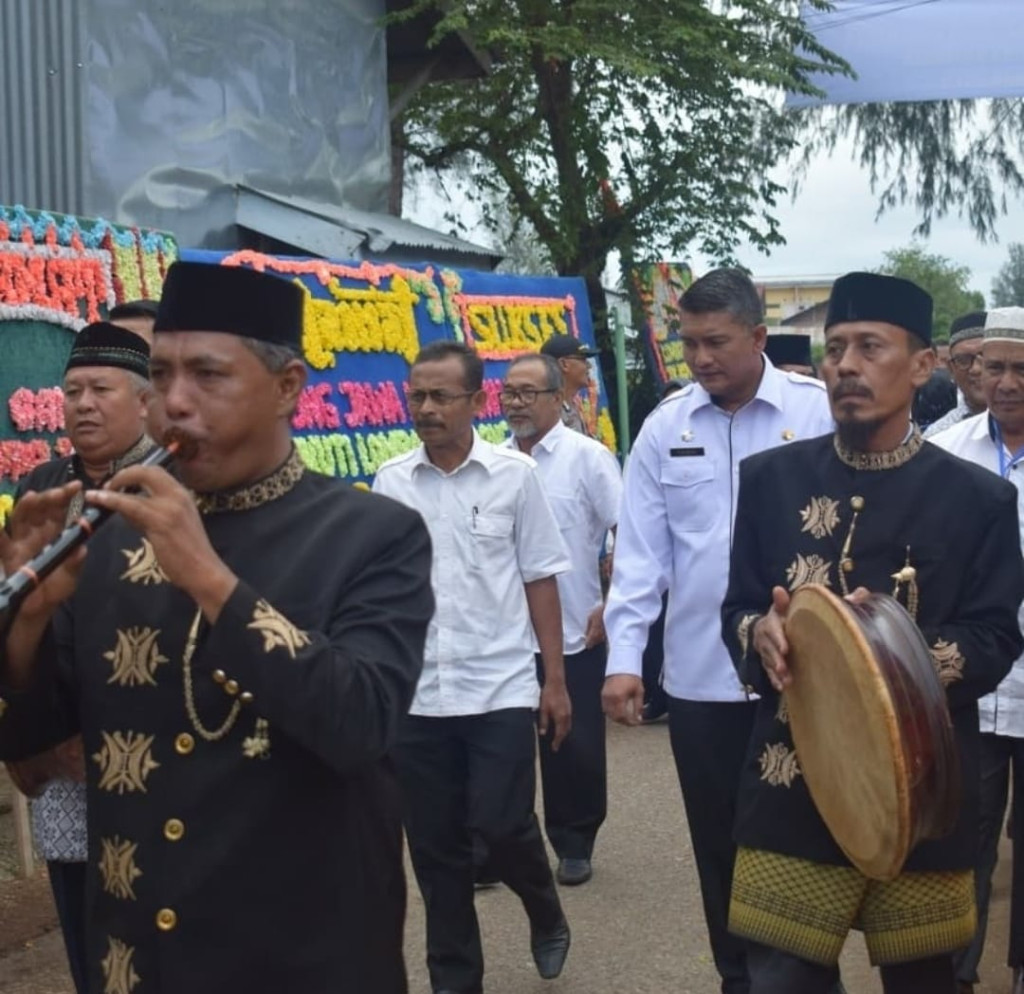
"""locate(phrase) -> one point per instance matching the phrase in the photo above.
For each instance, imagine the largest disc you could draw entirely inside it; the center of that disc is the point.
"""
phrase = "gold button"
(857, 503)
(174, 830)
(219, 676)
(166, 920)
(246, 697)
(847, 565)
(231, 687)
(184, 744)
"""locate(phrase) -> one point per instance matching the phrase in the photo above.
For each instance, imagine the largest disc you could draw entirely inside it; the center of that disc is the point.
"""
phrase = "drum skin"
(871, 727)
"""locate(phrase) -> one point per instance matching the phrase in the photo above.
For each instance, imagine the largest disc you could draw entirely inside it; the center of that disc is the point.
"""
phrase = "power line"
(830, 22)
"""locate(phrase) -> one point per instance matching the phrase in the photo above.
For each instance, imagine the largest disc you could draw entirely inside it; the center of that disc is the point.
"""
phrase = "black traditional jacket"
(954, 523)
(244, 830)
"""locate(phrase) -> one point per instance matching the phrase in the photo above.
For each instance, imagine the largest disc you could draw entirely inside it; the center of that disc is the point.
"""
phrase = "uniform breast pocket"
(568, 511)
(490, 537)
(690, 498)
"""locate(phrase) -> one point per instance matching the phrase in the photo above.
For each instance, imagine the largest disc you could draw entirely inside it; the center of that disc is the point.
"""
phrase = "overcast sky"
(830, 229)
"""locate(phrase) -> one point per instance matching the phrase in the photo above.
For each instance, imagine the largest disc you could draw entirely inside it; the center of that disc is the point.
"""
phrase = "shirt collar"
(769, 389)
(551, 438)
(480, 452)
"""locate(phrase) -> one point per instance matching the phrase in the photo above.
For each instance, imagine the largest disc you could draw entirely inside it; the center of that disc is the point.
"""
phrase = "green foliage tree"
(942, 278)
(964, 157)
(1008, 286)
(646, 128)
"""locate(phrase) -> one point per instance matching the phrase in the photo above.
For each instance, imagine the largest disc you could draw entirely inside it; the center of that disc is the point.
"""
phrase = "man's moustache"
(851, 391)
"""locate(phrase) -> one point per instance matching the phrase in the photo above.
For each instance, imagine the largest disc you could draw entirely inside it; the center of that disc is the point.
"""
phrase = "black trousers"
(67, 881)
(460, 776)
(709, 743)
(575, 779)
(1000, 758)
(775, 972)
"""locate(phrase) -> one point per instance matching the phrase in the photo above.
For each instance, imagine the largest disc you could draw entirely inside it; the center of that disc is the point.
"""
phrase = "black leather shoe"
(550, 949)
(652, 713)
(574, 871)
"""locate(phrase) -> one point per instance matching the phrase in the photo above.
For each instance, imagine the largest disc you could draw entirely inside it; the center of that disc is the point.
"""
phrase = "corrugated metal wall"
(41, 108)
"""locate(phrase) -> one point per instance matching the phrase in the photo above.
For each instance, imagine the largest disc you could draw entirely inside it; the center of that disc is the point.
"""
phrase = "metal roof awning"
(294, 225)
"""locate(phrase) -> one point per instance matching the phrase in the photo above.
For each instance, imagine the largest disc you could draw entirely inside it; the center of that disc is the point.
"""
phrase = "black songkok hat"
(874, 297)
(789, 350)
(200, 296)
(106, 344)
(968, 326)
(134, 309)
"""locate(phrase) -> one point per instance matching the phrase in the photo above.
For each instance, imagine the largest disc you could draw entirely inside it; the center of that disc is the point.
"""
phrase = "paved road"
(637, 927)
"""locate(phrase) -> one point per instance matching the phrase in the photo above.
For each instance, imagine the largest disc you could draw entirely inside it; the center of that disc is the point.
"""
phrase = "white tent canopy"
(921, 49)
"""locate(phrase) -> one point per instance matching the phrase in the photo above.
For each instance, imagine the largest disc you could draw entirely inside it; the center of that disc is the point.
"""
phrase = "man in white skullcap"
(995, 440)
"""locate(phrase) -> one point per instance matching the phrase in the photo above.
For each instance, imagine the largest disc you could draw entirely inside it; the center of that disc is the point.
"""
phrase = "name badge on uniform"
(694, 451)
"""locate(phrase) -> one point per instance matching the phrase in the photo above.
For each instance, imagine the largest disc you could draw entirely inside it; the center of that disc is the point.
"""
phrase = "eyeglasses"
(526, 396)
(965, 361)
(439, 398)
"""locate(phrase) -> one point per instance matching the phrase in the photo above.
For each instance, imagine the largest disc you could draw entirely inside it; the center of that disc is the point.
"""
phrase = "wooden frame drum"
(871, 727)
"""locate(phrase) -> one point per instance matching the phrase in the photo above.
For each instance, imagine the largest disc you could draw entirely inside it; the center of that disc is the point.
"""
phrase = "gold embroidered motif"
(743, 631)
(271, 487)
(119, 976)
(949, 663)
(125, 761)
(276, 629)
(779, 765)
(820, 517)
(257, 746)
(897, 457)
(782, 711)
(117, 866)
(809, 569)
(135, 657)
(142, 565)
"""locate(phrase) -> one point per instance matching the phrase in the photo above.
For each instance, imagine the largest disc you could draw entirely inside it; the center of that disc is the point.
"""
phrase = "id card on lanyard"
(1006, 462)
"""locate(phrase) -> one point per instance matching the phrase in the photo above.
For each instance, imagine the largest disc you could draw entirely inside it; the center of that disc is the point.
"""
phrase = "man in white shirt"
(466, 753)
(583, 483)
(965, 340)
(995, 440)
(675, 532)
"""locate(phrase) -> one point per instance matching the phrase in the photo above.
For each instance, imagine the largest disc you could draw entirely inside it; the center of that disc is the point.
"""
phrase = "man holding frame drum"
(872, 508)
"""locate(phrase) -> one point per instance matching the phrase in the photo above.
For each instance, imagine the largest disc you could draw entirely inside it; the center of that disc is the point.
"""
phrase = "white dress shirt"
(583, 484)
(1002, 711)
(492, 531)
(675, 529)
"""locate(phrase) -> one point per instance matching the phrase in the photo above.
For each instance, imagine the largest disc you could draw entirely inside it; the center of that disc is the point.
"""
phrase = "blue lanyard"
(997, 436)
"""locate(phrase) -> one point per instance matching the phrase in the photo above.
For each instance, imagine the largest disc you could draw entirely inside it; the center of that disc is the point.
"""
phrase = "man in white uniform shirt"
(995, 440)
(675, 531)
(583, 483)
(466, 752)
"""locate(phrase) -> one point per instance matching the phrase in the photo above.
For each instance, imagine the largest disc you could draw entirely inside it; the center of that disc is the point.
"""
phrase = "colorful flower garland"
(502, 327)
(42, 411)
(56, 268)
(18, 458)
